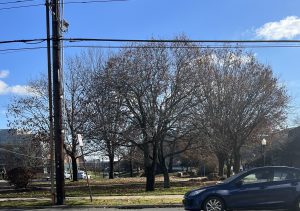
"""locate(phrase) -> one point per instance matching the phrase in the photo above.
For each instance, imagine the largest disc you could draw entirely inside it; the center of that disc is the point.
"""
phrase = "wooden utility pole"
(57, 103)
(50, 103)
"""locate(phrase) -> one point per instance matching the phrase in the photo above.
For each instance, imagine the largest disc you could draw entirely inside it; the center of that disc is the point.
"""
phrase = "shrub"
(19, 177)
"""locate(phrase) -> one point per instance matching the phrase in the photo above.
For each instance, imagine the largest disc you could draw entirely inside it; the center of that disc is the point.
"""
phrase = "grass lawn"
(99, 191)
(125, 202)
(106, 187)
(30, 203)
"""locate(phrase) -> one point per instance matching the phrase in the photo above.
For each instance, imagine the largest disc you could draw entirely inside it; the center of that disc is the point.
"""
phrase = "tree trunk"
(150, 177)
(170, 167)
(111, 167)
(150, 166)
(236, 161)
(74, 168)
(221, 163)
(163, 166)
(131, 167)
(228, 169)
(166, 177)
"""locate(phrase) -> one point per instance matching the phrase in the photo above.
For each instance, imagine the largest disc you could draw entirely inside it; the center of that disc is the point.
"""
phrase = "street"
(106, 209)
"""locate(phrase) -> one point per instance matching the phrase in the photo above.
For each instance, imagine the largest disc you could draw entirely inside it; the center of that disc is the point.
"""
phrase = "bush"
(19, 177)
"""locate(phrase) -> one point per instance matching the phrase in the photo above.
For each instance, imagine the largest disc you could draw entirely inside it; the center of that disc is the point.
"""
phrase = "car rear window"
(285, 174)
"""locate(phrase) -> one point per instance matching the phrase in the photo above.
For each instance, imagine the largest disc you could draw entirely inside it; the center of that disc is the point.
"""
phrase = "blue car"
(266, 188)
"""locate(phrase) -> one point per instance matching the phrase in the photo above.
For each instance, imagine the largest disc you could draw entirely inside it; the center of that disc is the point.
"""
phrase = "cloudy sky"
(143, 19)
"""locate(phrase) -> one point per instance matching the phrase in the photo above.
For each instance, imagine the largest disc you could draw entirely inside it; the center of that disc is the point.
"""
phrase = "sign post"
(80, 141)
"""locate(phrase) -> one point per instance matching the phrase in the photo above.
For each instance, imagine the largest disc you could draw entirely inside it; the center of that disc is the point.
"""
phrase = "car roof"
(274, 167)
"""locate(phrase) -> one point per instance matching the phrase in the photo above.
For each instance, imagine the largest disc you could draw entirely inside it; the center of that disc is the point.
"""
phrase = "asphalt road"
(105, 209)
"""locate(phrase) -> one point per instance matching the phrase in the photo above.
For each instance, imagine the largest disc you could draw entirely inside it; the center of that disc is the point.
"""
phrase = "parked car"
(266, 188)
(67, 175)
(82, 175)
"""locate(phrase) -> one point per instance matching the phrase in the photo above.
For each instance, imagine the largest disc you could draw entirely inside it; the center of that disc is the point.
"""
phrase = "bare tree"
(28, 120)
(78, 81)
(157, 86)
(30, 113)
(241, 99)
(107, 122)
(75, 111)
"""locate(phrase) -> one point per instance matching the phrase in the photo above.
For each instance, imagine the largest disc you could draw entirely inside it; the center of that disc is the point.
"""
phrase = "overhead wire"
(177, 40)
(15, 50)
(23, 41)
(149, 40)
(93, 1)
(16, 2)
(21, 6)
(173, 47)
(201, 43)
(43, 4)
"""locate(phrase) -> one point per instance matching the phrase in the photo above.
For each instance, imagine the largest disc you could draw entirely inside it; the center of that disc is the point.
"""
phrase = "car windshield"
(230, 179)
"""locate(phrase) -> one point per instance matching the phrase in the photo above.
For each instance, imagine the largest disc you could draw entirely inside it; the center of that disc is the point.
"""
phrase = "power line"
(15, 50)
(15, 2)
(70, 2)
(171, 47)
(22, 6)
(176, 41)
(211, 43)
(150, 41)
(23, 41)
(93, 1)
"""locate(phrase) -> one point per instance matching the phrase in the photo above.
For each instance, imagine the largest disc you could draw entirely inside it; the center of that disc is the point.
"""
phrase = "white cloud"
(287, 28)
(4, 73)
(17, 89)
(3, 88)
(20, 90)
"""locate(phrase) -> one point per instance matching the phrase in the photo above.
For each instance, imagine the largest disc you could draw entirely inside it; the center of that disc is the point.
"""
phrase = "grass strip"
(96, 202)
(98, 191)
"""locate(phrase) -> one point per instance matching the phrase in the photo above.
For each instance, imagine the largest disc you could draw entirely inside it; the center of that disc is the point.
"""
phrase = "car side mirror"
(239, 183)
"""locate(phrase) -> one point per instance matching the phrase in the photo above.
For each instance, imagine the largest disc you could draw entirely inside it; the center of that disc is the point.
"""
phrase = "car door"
(250, 191)
(282, 190)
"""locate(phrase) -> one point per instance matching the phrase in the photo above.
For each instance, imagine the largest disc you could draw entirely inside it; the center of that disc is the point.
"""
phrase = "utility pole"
(50, 103)
(57, 103)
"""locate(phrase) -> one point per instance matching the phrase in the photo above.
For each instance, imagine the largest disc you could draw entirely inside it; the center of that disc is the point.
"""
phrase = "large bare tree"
(107, 122)
(76, 116)
(240, 100)
(157, 84)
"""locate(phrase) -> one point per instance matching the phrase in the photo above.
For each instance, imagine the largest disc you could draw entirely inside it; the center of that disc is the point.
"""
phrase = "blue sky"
(143, 19)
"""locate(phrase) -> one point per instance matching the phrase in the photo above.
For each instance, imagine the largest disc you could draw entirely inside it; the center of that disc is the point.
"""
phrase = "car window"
(285, 174)
(230, 179)
(259, 176)
(297, 174)
(282, 174)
